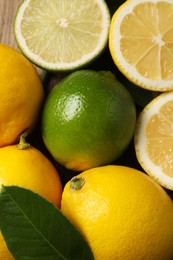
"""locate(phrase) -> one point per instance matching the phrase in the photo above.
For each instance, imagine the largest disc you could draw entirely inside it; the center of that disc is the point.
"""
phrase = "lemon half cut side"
(62, 35)
(141, 43)
(154, 139)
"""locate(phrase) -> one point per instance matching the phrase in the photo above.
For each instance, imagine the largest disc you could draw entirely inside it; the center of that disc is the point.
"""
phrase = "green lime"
(88, 120)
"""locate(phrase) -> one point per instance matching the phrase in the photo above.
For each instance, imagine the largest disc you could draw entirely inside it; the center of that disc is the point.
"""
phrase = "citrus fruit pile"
(94, 137)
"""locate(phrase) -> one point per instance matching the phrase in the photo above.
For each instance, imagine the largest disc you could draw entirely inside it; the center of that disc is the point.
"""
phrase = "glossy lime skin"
(88, 120)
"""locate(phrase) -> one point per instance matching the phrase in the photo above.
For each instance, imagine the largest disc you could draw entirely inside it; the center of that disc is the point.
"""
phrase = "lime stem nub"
(22, 143)
(77, 183)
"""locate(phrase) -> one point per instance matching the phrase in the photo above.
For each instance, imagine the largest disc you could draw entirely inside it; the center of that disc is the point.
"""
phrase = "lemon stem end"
(77, 183)
(22, 143)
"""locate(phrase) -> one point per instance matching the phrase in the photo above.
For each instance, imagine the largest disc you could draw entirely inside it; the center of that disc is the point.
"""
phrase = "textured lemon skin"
(28, 168)
(122, 213)
(21, 94)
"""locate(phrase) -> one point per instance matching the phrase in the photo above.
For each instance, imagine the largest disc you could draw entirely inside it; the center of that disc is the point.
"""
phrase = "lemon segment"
(154, 139)
(62, 35)
(141, 43)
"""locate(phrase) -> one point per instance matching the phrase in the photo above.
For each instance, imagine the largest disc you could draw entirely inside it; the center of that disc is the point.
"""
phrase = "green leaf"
(34, 228)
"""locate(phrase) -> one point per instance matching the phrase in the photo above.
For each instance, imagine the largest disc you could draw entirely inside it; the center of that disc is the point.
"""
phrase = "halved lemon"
(154, 139)
(141, 42)
(63, 34)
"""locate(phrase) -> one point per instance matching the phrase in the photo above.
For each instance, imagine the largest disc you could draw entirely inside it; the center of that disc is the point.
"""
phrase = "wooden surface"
(8, 10)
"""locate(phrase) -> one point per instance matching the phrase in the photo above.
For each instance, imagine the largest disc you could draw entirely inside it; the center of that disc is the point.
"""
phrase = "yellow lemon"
(140, 42)
(153, 139)
(21, 93)
(28, 168)
(122, 213)
(4, 252)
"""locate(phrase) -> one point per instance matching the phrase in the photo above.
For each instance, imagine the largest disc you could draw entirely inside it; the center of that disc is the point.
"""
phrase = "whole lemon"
(28, 168)
(122, 213)
(21, 93)
(88, 119)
